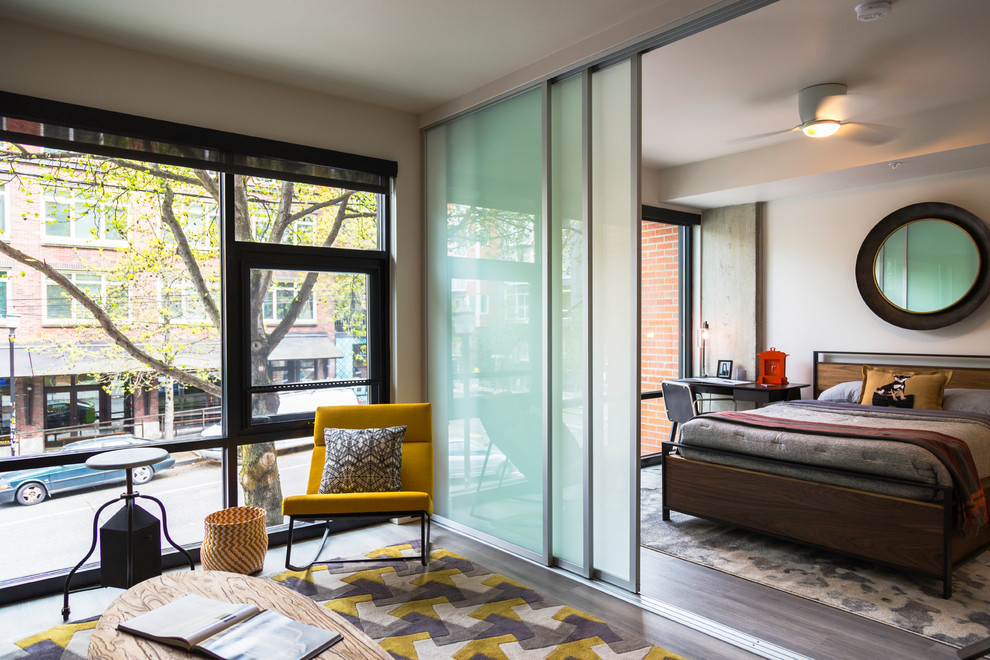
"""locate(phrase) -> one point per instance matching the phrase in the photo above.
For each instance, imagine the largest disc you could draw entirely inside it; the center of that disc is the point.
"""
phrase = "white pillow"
(966, 400)
(848, 391)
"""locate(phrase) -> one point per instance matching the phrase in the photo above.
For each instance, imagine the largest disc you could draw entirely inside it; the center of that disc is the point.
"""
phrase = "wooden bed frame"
(919, 537)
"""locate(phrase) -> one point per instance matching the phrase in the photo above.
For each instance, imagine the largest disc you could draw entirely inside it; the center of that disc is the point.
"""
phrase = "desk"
(748, 391)
(107, 643)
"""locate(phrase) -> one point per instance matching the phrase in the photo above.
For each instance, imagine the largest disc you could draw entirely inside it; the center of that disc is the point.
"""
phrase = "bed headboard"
(834, 367)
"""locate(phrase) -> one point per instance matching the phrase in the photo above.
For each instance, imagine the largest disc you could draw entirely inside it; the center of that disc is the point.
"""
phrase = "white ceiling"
(741, 78)
(703, 96)
(910, 76)
(409, 55)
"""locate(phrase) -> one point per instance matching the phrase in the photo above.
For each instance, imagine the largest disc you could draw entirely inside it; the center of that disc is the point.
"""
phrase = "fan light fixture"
(820, 128)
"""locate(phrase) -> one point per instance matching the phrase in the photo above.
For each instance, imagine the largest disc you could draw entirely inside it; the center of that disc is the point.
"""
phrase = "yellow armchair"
(416, 496)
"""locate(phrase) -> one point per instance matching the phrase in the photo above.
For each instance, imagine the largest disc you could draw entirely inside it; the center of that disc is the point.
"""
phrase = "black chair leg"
(424, 538)
(288, 548)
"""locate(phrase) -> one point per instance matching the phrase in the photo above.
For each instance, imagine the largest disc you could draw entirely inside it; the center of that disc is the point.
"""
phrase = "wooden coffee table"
(110, 644)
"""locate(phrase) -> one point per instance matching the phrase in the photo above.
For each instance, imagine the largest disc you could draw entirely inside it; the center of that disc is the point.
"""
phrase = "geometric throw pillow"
(362, 460)
(882, 387)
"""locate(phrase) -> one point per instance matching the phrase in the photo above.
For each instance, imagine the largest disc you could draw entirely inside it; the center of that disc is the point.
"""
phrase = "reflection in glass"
(485, 198)
(927, 266)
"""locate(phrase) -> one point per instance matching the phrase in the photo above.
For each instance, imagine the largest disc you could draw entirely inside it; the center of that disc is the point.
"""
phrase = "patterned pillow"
(882, 387)
(362, 460)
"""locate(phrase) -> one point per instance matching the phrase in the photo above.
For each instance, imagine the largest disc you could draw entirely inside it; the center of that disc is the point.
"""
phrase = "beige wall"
(811, 299)
(54, 66)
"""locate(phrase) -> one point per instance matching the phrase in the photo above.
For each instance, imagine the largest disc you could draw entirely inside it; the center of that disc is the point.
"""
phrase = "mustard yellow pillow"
(884, 387)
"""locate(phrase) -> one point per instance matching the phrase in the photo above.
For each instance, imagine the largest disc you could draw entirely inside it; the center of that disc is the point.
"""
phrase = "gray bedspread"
(805, 454)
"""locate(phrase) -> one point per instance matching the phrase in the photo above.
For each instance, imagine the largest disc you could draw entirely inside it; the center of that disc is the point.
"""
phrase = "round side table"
(127, 459)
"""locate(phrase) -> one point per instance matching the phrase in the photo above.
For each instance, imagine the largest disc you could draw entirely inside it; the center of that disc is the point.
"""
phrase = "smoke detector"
(873, 10)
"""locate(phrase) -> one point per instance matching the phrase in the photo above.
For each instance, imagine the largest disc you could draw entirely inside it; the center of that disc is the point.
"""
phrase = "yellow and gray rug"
(69, 641)
(455, 608)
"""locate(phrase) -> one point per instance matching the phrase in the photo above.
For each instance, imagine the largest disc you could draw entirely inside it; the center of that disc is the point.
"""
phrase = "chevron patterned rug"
(453, 608)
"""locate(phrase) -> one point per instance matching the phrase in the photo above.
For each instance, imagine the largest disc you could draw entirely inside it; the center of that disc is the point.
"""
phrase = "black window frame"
(80, 128)
(685, 222)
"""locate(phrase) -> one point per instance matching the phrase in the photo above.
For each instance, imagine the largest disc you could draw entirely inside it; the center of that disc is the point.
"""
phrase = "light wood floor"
(810, 629)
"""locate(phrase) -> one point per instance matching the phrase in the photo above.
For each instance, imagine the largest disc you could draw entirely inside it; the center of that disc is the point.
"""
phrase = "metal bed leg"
(948, 507)
(664, 511)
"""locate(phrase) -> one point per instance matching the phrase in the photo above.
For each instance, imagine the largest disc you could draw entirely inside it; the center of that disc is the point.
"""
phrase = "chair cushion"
(362, 460)
(356, 503)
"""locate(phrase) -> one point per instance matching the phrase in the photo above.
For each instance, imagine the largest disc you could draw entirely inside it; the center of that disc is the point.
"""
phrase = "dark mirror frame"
(873, 296)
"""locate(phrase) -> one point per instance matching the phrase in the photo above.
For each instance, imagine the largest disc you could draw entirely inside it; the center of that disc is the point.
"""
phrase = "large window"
(225, 265)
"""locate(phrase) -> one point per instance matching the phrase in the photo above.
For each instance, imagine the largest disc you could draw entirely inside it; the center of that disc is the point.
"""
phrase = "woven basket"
(235, 540)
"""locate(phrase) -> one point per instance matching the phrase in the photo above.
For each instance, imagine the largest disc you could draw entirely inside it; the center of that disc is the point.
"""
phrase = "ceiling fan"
(818, 107)
(822, 108)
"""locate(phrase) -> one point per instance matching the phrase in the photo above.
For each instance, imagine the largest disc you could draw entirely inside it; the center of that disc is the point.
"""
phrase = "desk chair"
(681, 403)
(414, 499)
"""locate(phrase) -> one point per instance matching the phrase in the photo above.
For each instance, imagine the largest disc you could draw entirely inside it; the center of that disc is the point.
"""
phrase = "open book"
(230, 631)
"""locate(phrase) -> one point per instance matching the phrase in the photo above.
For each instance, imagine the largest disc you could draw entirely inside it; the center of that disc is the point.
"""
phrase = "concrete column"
(732, 287)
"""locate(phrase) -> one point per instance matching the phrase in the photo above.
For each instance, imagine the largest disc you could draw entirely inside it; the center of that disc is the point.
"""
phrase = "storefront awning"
(98, 357)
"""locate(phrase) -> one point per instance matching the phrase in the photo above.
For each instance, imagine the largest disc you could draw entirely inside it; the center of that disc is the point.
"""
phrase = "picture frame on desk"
(724, 369)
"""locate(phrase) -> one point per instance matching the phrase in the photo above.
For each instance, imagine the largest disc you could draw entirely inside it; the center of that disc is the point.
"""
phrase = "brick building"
(108, 238)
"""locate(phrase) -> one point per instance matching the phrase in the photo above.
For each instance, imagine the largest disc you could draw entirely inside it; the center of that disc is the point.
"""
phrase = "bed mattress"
(803, 455)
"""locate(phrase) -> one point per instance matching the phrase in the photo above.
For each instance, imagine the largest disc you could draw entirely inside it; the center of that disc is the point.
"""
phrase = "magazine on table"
(230, 631)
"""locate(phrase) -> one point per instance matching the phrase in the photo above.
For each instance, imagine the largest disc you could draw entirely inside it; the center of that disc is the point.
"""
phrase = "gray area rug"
(885, 595)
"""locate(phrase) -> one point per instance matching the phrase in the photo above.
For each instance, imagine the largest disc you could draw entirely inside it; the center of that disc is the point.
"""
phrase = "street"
(56, 533)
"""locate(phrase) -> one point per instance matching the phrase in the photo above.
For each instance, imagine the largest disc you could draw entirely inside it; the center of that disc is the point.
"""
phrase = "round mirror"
(925, 266)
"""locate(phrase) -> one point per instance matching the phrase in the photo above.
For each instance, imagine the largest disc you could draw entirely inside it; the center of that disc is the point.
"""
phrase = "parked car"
(35, 485)
(304, 402)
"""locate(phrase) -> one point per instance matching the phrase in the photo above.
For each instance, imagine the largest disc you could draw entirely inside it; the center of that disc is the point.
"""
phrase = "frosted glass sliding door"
(533, 333)
(484, 226)
(570, 494)
(615, 321)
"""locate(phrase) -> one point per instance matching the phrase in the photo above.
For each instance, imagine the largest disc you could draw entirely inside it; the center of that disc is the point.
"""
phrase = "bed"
(897, 489)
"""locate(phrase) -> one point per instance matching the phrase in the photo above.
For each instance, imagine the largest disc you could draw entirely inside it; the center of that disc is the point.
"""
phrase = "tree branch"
(107, 323)
(305, 291)
(185, 253)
